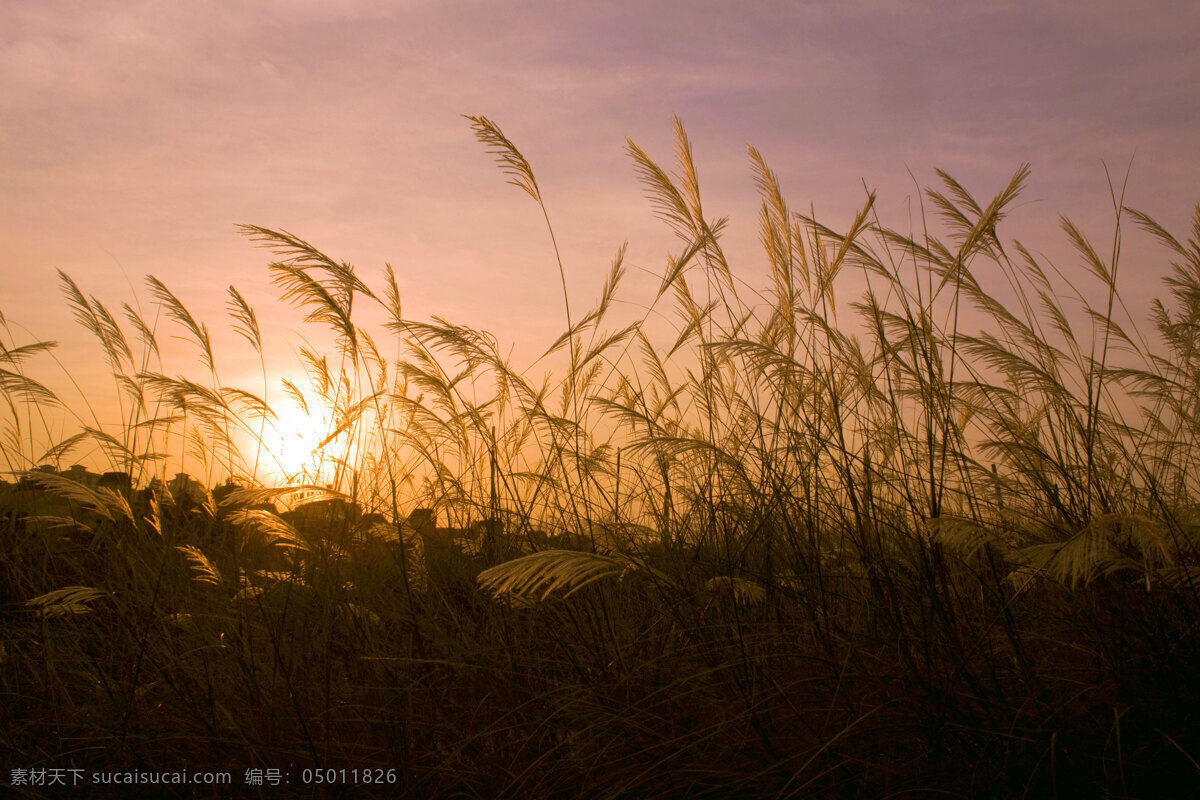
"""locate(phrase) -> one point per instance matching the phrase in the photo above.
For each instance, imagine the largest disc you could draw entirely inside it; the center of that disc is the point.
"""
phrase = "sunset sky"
(134, 136)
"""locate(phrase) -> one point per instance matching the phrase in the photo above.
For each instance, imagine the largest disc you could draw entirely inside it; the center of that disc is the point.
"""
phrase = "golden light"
(291, 446)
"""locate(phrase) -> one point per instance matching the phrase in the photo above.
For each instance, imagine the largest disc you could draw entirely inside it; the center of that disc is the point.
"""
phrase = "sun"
(292, 444)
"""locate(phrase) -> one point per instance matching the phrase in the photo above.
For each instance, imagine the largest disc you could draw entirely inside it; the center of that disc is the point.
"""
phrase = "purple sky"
(135, 135)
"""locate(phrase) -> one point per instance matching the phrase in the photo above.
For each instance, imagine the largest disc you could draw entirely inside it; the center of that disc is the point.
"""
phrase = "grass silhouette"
(777, 554)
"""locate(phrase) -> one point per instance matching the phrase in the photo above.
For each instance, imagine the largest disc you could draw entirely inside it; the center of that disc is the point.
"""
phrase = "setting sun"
(292, 444)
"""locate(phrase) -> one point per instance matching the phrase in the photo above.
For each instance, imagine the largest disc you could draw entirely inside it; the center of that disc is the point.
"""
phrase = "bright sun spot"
(291, 444)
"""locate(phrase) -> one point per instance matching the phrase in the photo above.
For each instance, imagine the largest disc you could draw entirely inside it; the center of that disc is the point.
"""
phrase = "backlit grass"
(907, 542)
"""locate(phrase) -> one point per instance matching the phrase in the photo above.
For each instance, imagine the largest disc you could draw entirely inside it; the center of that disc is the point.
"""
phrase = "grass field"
(769, 542)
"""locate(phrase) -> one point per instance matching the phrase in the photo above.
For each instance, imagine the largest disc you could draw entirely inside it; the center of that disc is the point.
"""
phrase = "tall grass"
(912, 541)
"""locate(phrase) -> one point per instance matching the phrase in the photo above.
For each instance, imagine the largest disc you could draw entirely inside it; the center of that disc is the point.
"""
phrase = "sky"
(136, 135)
